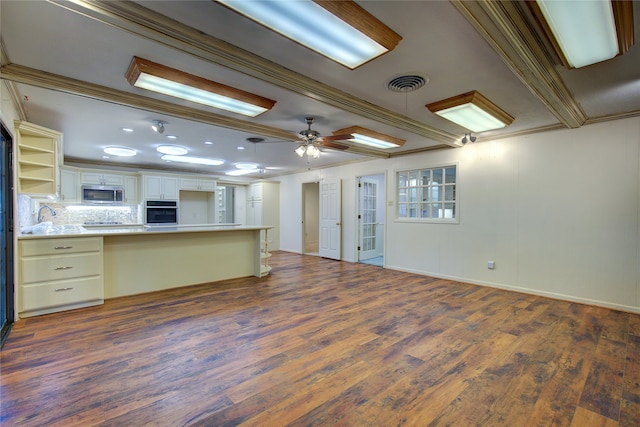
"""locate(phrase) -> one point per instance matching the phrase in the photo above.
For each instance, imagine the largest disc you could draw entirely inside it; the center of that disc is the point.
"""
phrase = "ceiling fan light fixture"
(300, 150)
(370, 137)
(472, 111)
(342, 30)
(586, 32)
(169, 81)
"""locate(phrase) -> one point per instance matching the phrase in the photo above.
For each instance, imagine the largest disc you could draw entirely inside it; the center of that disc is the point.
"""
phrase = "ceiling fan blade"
(342, 137)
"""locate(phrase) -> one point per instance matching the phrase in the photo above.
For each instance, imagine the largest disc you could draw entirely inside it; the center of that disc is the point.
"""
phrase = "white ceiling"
(459, 45)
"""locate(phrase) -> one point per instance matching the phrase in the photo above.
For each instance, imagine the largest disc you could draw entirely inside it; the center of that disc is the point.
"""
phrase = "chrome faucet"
(40, 216)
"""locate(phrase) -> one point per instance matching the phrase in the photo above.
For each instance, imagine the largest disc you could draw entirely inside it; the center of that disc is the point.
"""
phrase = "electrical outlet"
(491, 265)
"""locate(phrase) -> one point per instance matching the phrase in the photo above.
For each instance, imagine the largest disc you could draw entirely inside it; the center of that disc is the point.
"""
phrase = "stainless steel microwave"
(103, 194)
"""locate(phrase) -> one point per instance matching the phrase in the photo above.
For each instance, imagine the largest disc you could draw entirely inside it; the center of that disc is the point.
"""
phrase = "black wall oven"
(161, 212)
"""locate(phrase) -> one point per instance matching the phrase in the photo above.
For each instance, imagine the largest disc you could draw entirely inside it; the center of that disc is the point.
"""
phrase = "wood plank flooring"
(325, 343)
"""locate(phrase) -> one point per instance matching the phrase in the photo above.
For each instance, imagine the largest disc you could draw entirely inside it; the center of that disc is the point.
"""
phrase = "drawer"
(42, 269)
(61, 293)
(60, 246)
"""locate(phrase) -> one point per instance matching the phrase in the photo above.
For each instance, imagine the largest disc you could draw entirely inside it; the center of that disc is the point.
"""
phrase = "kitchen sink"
(48, 228)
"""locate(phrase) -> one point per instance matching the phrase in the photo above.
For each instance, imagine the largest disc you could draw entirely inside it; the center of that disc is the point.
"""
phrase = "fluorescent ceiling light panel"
(340, 30)
(194, 160)
(120, 151)
(168, 81)
(586, 32)
(472, 111)
(370, 137)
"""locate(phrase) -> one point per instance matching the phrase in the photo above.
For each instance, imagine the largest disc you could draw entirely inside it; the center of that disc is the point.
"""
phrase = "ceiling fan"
(312, 140)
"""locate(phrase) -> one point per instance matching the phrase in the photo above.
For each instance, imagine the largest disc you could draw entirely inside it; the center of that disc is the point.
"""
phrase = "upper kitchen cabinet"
(39, 152)
(198, 184)
(159, 187)
(69, 186)
(99, 178)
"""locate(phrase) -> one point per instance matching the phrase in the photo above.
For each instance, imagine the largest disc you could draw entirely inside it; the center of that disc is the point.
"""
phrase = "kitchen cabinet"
(197, 184)
(131, 190)
(98, 178)
(38, 155)
(69, 186)
(159, 187)
(263, 208)
(57, 274)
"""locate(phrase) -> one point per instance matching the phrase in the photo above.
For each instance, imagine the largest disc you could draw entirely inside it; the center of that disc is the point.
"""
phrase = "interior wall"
(556, 211)
(196, 207)
(311, 221)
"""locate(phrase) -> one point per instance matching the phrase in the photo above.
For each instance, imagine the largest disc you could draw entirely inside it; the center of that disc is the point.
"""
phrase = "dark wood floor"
(325, 343)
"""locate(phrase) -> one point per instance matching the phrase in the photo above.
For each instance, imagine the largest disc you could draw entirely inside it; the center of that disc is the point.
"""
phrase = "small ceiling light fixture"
(172, 137)
(473, 111)
(340, 30)
(468, 138)
(586, 32)
(158, 126)
(175, 150)
(127, 130)
(194, 160)
(120, 151)
(208, 142)
(370, 137)
(169, 81)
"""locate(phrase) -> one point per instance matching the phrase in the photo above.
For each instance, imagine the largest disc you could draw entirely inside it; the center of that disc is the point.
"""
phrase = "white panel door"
(330, 218)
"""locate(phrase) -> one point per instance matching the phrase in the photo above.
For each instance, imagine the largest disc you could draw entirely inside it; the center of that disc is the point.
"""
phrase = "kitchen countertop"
(77, 231)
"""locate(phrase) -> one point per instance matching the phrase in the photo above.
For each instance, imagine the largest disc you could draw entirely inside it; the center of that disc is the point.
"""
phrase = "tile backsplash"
(75, 214)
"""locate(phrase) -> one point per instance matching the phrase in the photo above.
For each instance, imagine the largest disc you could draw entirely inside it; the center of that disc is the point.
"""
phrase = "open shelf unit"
(38, 151)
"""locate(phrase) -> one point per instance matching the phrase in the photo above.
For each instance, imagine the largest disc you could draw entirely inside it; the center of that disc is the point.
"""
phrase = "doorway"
(311, 218)
(6, 235)
(371, 219)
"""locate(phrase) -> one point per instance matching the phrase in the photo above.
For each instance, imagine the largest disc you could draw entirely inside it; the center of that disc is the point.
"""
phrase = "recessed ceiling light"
(247, 165)
(120, 151)
(208, 142)
(239, 172)
(175, 150)
(194, 160)
(127, 130)
(172, 137)
(240, 147)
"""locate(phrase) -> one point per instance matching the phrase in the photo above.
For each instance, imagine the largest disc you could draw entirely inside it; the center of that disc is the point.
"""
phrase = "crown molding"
(134, 18)
(508, 29)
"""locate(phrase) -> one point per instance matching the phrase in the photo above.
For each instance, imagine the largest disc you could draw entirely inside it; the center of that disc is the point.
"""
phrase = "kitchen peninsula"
(82, 268)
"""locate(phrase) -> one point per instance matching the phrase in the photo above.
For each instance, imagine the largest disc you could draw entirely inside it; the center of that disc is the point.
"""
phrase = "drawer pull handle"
(62, 268)
(63, 289)
(63, 247)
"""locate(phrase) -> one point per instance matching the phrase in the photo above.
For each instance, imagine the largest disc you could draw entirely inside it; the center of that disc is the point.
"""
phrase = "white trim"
(528, 291)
